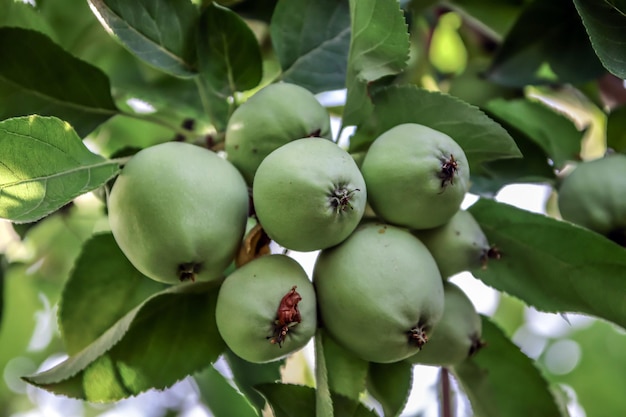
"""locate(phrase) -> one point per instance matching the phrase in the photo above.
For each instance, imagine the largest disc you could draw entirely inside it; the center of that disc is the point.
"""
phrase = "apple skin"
(593, 195)
(178, 212)
(248, 302)
(277, 114)
(298, 191)
(417, 177)
(458, 245)
(376, 287)
(457, 335)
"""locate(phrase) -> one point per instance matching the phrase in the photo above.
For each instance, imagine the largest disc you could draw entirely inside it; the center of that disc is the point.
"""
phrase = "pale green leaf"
(171, 335)
(44, 166)
(104, 281)
(379, 47)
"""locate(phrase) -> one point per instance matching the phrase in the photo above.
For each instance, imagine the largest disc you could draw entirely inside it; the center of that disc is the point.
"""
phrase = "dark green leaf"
(44, 166)
(553, 132)
(552, 265)
(547, 44)
(254, 10)
(605, 22)
(246, 375)
(500, 380)
(390, 384)
(229, 60)
(616, 130)
(299, 401)
(379, 47)
(222, 398)
(38, 77)
(346, 372)
(481, 138)
(497, 15)
(534, 167)
(102, 288)
(161, 33)
(171, 335)
(312, 39)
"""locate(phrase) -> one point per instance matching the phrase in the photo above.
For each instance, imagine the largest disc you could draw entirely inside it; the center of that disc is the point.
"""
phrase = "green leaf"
(481, 138)
(45, 165)
(311, 40)
(346, 372)
(221, 397)
(3, 269)
(552, 265)
(534, 167)
(161, 33)
(171, 335)
(390, 384)
(553, 132)
(299, 401)
(23, 15)
(616, 129)
(379, 47)
(547, 44)
(500, 380)
(605, 22)
(602, 346)
(497, 15)
(246, 375)
(38, 77)
(102, 288)
(229, 60)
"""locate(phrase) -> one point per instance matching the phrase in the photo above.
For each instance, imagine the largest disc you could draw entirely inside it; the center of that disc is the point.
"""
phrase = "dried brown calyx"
(287, 316)
(449, 168)
(417, 336)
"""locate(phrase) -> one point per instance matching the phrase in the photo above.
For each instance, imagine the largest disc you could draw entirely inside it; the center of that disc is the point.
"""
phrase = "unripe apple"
(309, 194)
(274, 116)
(178, 212)
(458, 245)
(416, 176)
(594, 195)
(379, 293)
(457, 335)
(266, 309)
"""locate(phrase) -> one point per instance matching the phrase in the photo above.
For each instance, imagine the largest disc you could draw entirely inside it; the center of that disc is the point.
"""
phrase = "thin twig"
(446, 395)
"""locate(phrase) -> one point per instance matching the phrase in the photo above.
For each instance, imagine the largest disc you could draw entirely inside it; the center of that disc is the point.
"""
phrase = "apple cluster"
(389, 232)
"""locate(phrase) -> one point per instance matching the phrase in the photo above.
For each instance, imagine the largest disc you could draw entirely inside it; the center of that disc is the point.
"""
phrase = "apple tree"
(164, 164)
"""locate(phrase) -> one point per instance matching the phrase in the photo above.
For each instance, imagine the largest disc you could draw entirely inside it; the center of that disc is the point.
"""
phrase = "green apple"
(274, 116)
(458, 245)
(267, 309)
(594, 196)
(309, 194)
(416, 176)
(457, 335)
(379, 292)
(178, 212)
